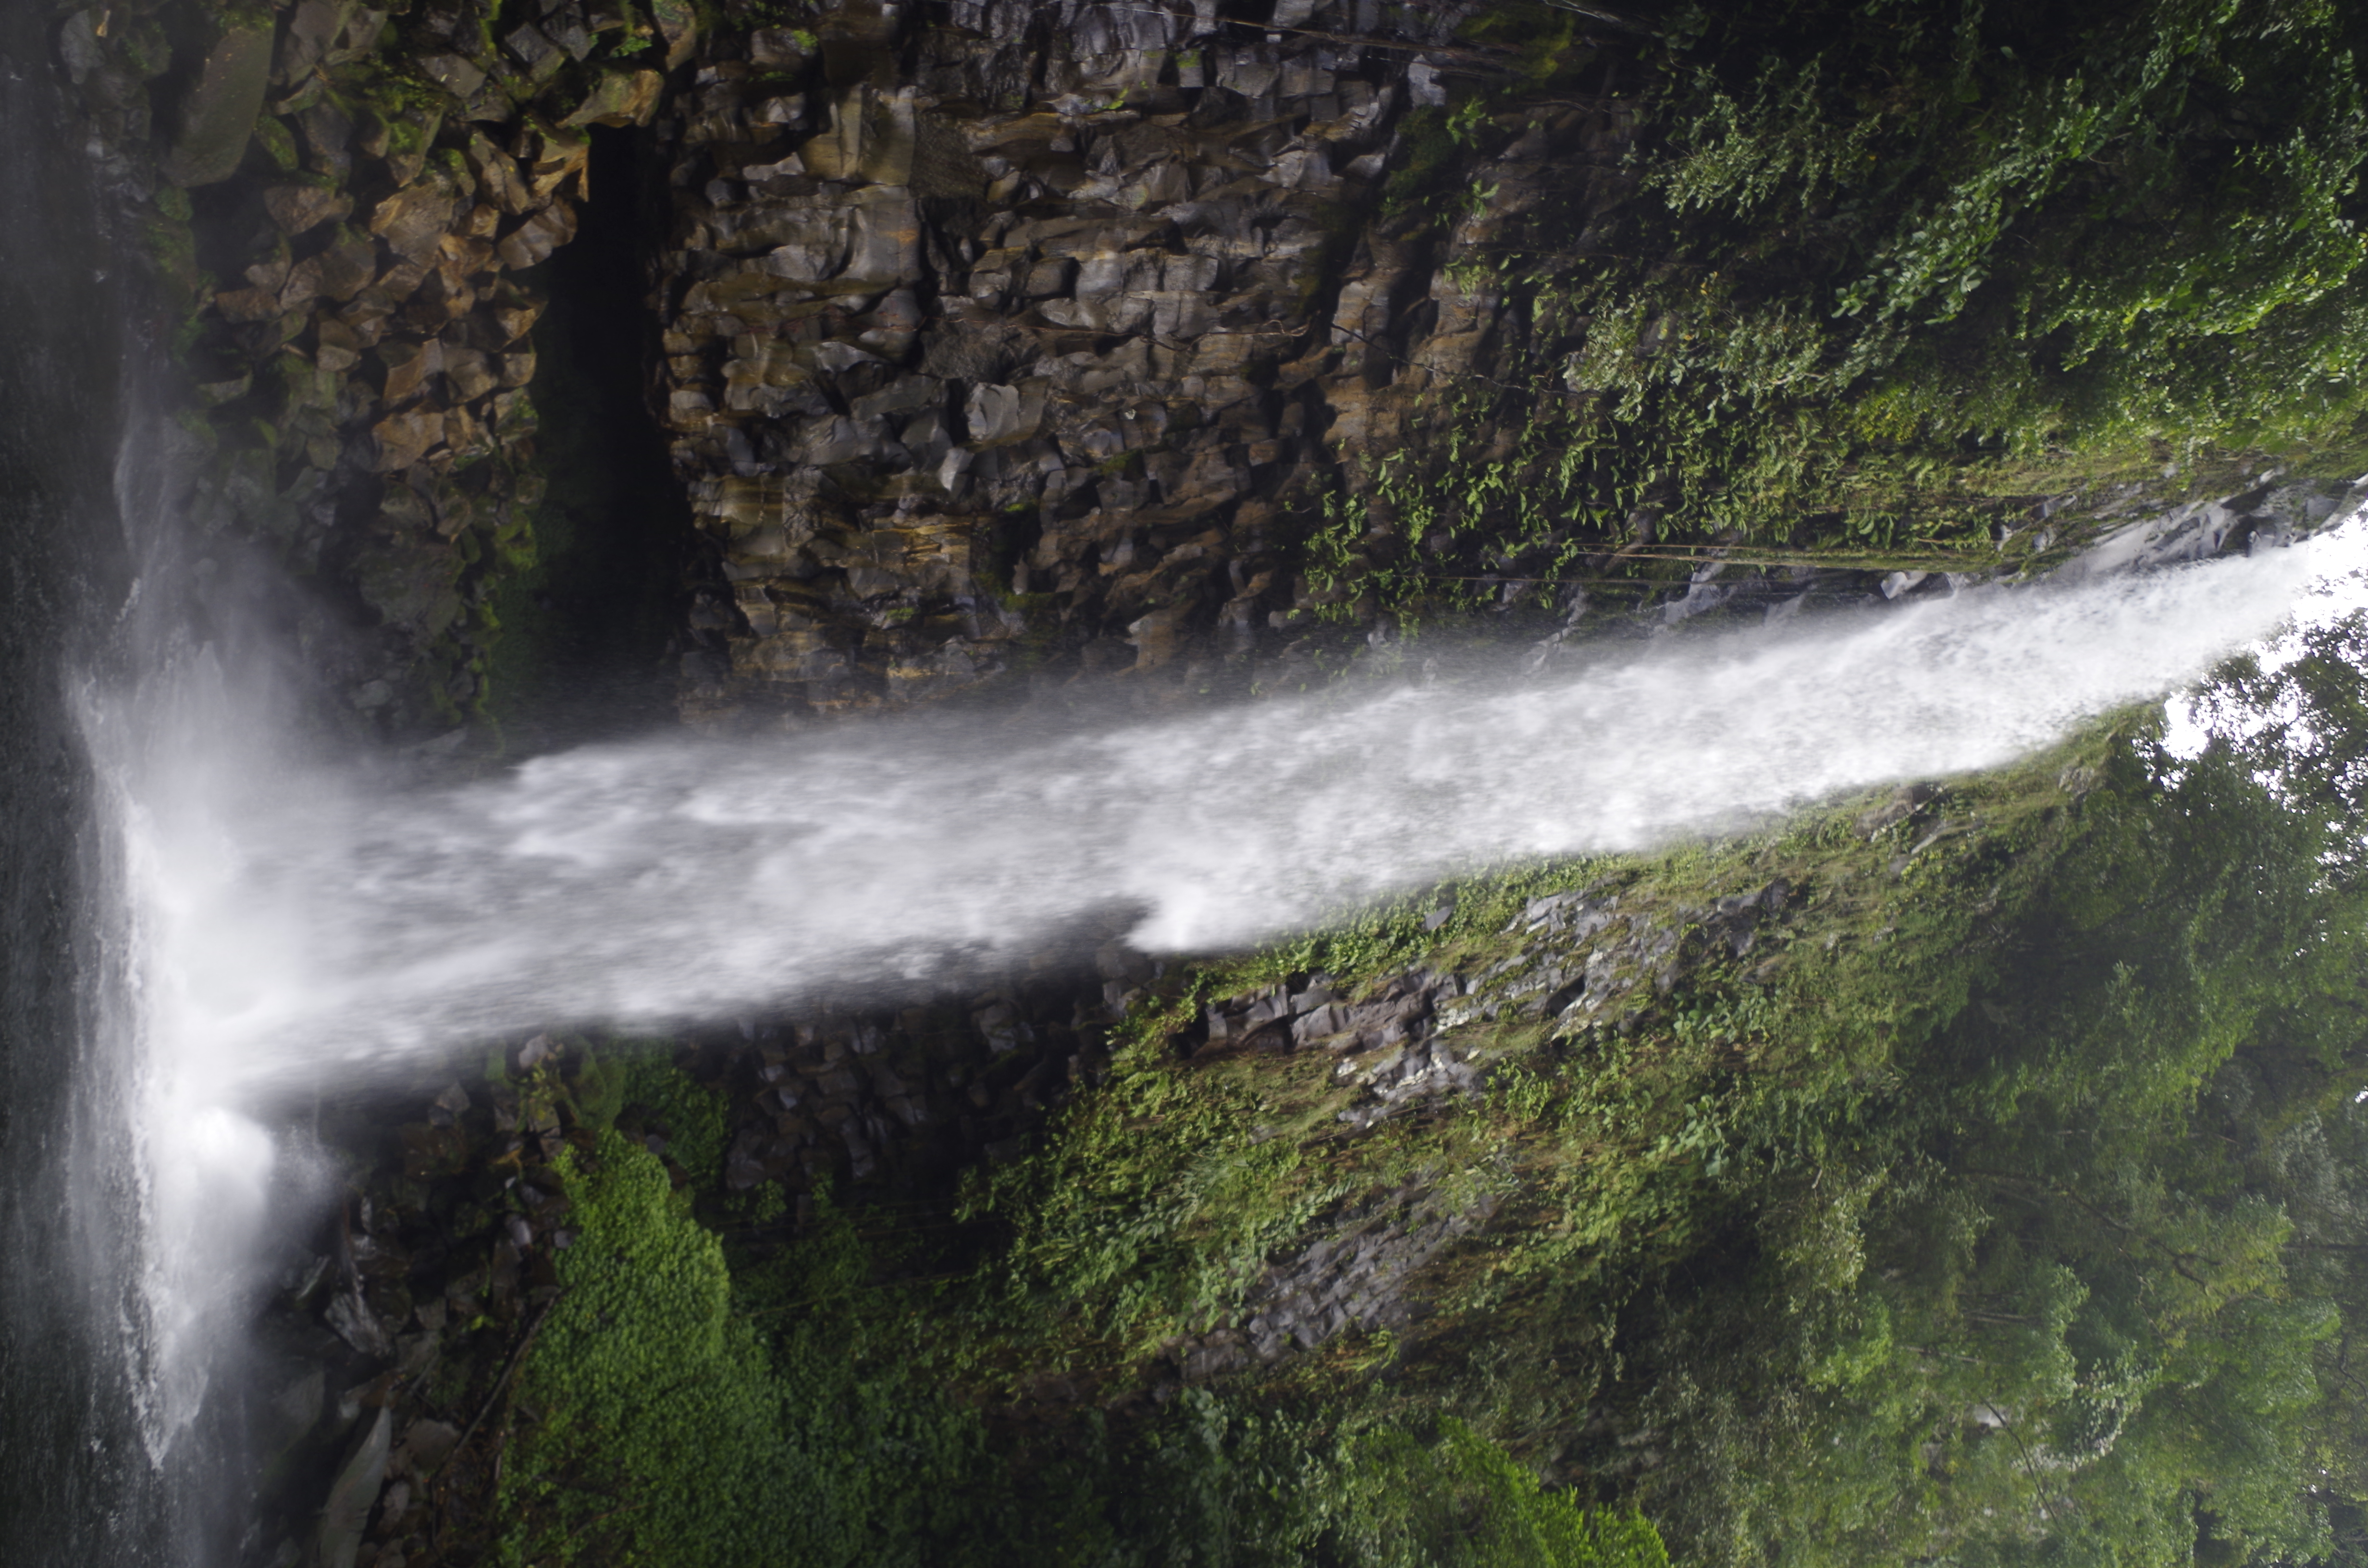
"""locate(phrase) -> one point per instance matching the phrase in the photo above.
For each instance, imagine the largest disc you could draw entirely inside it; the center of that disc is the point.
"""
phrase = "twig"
(517, 1358)
(2038, 1500)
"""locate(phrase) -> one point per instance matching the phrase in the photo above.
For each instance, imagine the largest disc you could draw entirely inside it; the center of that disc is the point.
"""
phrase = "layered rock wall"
(1007, 337)
(356, 204)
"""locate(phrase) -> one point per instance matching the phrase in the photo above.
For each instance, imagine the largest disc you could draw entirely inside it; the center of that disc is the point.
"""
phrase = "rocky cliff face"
(343, 203)
(994, 347)
(1008, 338)
(997, 339)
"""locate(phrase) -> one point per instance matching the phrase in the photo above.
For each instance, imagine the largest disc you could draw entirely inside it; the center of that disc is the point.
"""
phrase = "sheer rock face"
(999, 338)
(1034, 337)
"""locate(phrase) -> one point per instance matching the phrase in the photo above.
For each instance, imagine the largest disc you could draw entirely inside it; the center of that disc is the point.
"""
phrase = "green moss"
(690, 1116)
(689, 1418)
(277, 142)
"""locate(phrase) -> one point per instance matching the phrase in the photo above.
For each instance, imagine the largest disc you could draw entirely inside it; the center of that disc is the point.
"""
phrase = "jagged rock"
(427, 1444)
(299, 208)
(409, 582)
(409, 366)
(220, 107)
(677, 25)
(313, 26)
(413, 220)
(455, 73)
(532, 243)
(620, 98)
(353, 1492)
(1114, 292)
(354, 1323)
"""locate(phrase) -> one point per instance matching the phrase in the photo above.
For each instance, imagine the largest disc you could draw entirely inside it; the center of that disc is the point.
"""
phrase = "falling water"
(110, 1450)
(307, 924)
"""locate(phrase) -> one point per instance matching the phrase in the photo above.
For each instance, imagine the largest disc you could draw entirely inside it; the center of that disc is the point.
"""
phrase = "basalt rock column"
(1034, 337)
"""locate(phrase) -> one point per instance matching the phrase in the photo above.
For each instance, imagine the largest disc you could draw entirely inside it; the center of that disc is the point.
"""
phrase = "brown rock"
(299, 208)
(413, 221)
(346, 268)
(553, 155)
(401, 280)
(467, 254)
(409, 582)
(498, 179)
(620, 99)
(329, 133)
(532, 242)
(456, 74)
(402, 139)
(404, 439)
(247, 304)
(408, 367)
(443, 297)
(366, 314)
(271, 272)
(311, 29)
(336, 349)
(533, 48)
(514, 416)
(469, 373)
(871, 137)
(677, 26)
(515, 311)
(465, 433)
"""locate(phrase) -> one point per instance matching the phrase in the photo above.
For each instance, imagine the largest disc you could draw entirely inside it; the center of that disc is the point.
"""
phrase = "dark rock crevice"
(588, 627)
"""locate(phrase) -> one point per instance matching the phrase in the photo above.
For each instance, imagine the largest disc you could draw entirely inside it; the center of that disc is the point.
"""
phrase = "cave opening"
(591, 628)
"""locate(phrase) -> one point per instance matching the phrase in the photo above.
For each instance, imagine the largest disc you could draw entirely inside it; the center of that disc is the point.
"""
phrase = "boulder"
(678, 27)
(620, 98)
(347, 1513)
(413, 221)
(409, 581)
(218, 109)
(532, 243)
(311, 30)
(299, 208)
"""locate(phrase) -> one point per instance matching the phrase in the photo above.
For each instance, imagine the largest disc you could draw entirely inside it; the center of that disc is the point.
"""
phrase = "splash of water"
(313, 925)
(206, 1180)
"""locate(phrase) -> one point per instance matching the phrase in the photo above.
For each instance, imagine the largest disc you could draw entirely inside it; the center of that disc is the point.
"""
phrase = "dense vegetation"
(1876, 277)
(2002, 1204)
(790, 1414)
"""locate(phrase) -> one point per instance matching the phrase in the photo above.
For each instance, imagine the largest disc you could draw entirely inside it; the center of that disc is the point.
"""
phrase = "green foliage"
(1995, 1213)
(672, 1433)
(1463, 1500)
(690, 1416)
(1887, 274)
(2002, 1206)
(692, 1117)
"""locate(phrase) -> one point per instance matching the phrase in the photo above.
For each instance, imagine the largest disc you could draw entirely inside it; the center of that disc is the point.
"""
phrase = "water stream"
(307, 923)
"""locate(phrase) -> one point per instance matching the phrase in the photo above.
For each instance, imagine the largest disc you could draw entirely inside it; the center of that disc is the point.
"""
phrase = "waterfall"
(308, 925)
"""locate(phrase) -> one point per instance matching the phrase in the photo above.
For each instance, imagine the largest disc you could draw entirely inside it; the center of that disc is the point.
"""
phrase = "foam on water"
(301, 925)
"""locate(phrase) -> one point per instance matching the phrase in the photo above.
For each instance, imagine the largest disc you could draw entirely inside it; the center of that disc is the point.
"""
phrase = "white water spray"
(207, 1180)
(312, 927)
